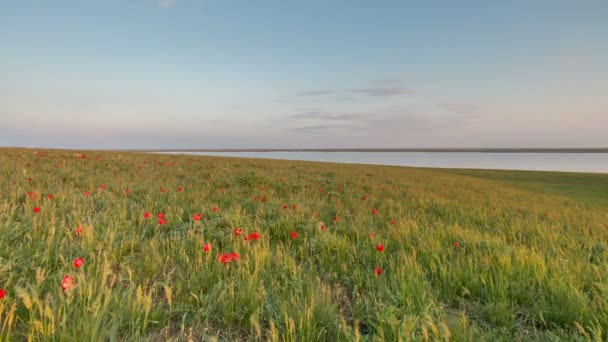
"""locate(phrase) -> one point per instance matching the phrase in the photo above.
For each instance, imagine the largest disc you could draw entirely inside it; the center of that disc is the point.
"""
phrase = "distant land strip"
(480, 150)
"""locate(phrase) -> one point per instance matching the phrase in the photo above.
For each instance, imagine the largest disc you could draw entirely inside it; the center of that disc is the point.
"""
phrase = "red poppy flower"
(2, 293)
(336, 218)
(379, 248)
(162, 221)
(255, 236)
(255, 199)
(293, 235)
(285, 206)
(103, 186)
(262, 189)
(293, 206)
(238, 232)
(67, 283)
(29, 179)
(163, 190)
(196, 217)
(323, 228)
(393, 222)
(179, 189)
(374, 211)
(215, 209)
(127, 191)
(263, 199)
(36, 209)
(50, 196)
(146, 214)
(160, 215)
(364, 198)
(228, 257)
(78, 231)
(340, 187)
(207, 247)
(378, 271)
(86, 193)
(78, 262)
(372, 235)
(456, 244)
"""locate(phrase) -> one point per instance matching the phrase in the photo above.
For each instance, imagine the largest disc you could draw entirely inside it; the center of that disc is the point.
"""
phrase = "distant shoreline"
(479, 150)
(427, 150)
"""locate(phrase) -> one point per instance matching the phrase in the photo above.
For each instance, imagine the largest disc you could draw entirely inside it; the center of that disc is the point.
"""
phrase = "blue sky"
(231, 74)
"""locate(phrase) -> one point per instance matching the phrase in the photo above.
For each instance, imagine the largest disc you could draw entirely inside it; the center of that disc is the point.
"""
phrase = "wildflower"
(162, 221)
(196, 217)
(160, 215)
(374, 211)
(228, 257)
(103, 186)
(336, 218)
(146, 214)
(263, 199)
(238, 231)
(2, 293)
(207, 247)
(293, 235)
(179, 189)
(456, 244)
(372, 235)
(78, 262)
(127, 191)
(50, 196)
(393, 222)
(78, 231)
(378, 271)
(163, 190)
(255, 236)
(215, 209)
(36, 209)
(86, 193)
(380, 247)
(67, 283)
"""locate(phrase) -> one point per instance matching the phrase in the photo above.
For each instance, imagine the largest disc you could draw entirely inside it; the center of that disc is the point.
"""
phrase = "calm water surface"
(575, 162)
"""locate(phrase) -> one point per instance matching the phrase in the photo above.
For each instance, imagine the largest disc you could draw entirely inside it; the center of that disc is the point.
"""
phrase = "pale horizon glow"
(147, 74)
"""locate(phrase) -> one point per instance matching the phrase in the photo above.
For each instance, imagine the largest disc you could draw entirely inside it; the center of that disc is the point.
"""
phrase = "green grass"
(591, 188)
(531, 261)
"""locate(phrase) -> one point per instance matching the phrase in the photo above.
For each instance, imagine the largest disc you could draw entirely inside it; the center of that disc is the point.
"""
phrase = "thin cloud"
(399, 121)
(327, 116)
(166, 3)
(373, 91)
(384, 91)
(460, 107)
(320, 92)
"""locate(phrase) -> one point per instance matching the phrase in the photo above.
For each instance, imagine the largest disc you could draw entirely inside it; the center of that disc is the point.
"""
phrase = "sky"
(303, 74)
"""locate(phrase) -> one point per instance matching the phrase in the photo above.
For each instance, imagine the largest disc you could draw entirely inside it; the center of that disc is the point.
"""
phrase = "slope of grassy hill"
(128, 246)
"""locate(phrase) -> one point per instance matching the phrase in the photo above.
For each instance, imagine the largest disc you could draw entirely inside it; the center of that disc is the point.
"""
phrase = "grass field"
(327, 252)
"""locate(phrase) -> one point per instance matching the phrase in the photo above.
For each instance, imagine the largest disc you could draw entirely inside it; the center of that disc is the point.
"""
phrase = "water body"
(571, 162)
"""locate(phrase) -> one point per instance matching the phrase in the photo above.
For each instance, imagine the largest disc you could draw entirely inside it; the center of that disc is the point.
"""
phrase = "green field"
(469, 255)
